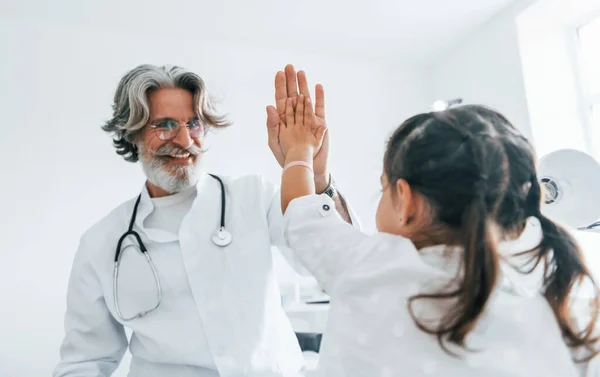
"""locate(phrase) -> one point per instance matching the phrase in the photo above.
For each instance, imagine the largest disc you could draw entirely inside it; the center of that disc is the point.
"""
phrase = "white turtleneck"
(169, 211)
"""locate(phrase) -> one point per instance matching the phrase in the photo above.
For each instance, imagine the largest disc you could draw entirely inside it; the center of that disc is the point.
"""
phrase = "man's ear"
(137, 137)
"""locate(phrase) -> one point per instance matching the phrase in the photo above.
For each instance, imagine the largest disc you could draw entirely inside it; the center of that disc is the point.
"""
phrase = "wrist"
(322, 181)
(299, 154)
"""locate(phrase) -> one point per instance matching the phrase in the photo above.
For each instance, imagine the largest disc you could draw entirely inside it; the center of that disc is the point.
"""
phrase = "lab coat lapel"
(204, 261)
(209, 271)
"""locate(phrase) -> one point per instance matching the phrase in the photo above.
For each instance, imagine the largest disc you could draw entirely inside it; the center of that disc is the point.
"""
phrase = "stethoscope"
(221, 238)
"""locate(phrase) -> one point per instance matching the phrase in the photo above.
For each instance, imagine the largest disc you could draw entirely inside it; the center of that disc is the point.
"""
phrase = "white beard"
(172, 179)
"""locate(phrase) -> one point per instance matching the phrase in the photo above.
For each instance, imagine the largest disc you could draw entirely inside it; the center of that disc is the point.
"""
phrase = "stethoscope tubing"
(222, 238)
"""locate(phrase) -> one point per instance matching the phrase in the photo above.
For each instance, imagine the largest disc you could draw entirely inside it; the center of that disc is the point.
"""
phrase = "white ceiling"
(416, 30)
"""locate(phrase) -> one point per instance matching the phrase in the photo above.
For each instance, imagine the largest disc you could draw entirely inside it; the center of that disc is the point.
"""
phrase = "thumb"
(272, 124)
(320, 133)
(272, 118)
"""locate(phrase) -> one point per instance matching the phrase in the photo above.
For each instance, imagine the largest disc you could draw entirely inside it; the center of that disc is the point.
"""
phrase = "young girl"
(464, 278)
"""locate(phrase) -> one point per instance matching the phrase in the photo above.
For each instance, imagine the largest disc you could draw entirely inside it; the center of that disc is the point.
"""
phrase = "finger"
(319, 101)
(308, 114)
(300, 111)
(290, 81)
(280, 92)
(303, 84)
(289, 113)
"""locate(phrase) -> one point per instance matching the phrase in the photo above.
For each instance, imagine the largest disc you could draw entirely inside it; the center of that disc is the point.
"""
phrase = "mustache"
(170, 149)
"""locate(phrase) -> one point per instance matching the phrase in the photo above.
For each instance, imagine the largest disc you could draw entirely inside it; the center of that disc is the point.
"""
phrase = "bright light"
(440, 105)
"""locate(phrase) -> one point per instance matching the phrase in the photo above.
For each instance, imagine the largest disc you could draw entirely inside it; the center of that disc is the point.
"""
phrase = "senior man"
(194, 280)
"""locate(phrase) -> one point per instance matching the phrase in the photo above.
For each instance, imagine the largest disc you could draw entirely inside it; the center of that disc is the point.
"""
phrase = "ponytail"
(565, 268)
(479, 273)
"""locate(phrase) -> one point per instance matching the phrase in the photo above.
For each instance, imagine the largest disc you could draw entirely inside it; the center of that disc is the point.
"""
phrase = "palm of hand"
(286, 86)
(317, 123)
(299, 130)
(290, 138)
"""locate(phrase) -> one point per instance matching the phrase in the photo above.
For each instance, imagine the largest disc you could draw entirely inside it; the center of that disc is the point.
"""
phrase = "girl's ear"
(405, 200)
(413, 209)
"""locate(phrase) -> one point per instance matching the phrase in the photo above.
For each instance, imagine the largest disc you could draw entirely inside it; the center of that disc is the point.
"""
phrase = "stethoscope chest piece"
(221, 237)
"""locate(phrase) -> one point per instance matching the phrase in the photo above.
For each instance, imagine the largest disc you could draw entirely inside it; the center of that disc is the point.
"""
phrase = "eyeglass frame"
(154, 126)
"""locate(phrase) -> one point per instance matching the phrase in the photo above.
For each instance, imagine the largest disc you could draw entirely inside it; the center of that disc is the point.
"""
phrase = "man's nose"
(183, 138)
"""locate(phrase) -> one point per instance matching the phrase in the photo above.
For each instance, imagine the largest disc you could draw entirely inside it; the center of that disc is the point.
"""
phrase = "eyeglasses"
(167, 128)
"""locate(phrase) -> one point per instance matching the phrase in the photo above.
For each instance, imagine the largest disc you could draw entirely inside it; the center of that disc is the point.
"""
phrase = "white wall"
(486, 69)
(547, 30)
(60, 173)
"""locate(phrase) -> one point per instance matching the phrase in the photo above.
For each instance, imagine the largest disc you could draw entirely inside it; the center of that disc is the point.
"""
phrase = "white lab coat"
(221, 307)
(370, 331)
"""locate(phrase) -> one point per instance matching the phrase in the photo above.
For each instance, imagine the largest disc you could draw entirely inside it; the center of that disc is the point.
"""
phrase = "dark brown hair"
(478, 174)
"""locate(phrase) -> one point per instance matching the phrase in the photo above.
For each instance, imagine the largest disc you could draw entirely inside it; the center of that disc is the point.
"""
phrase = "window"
(589, 61)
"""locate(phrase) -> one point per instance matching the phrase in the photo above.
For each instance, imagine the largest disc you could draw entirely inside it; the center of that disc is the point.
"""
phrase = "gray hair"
(131, 108)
